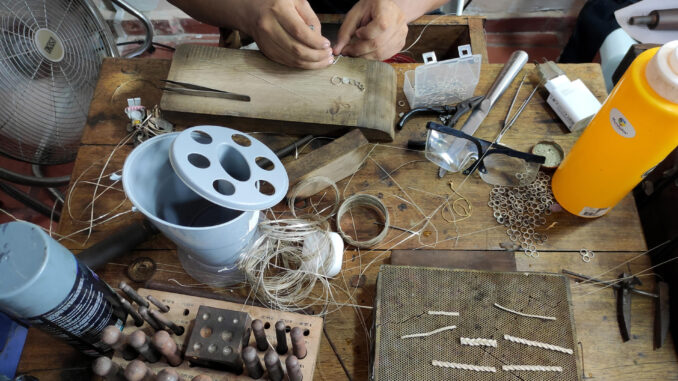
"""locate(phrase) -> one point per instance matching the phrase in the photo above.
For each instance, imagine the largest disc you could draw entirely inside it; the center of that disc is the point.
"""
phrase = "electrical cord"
(30, 201)
(18, 178)
(57, 194)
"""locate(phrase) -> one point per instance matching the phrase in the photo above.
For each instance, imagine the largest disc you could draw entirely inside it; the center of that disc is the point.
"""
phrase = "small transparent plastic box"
(443, 83)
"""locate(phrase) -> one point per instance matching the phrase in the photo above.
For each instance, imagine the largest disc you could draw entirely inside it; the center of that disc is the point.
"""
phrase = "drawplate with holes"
(218, 337)
(220, 164)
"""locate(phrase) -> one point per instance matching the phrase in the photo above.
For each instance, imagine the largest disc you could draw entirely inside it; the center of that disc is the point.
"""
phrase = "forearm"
(221, 13)
(413, 9)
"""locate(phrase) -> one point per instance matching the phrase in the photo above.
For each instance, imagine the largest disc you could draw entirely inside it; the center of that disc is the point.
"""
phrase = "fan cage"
(50, 56)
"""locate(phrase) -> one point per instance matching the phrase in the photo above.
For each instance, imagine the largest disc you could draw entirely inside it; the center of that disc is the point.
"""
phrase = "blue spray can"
(44, 286)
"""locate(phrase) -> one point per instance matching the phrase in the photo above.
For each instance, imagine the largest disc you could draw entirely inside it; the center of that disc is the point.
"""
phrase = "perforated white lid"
(225, 167)
(662, 72)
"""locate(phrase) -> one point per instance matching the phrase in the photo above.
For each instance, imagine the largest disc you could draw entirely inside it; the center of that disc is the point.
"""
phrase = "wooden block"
(307, 100)
(456, 259)
(336, 161)
(183, 310)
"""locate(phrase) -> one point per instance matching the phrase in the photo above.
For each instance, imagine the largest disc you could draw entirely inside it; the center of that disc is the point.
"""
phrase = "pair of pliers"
(449, 115)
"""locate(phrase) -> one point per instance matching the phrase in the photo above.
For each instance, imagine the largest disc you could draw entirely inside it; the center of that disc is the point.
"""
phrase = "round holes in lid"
(201, 137)
(241, 140)
(198, 160)
(224, 187)
(264, 163)
(265, 187)
(235, 164)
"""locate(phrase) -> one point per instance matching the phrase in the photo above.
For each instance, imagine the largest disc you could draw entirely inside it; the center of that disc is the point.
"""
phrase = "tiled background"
(540, 27)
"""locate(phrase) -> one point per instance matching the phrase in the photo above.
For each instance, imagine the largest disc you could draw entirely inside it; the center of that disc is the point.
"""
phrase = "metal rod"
(608, 283)
(147, 25)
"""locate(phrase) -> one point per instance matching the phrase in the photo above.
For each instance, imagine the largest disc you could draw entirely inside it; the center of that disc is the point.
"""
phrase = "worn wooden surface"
(411, 180)
(456, 259)
(335, 161)
(316, 99)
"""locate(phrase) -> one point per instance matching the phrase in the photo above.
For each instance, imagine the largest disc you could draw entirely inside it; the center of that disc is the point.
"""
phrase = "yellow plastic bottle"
(635, 129)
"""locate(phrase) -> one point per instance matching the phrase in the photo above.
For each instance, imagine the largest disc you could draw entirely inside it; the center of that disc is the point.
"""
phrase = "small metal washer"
(141, 269)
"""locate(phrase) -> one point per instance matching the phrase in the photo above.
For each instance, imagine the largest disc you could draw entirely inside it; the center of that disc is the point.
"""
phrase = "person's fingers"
(275, 33)
(295, 26)
(282, 48)
(359, 47)
(375, 28)
(381, 48)
(350, 24)
(308, 15)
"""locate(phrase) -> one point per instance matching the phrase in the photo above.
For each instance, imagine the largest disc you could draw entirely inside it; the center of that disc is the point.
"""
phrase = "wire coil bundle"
(282, 270)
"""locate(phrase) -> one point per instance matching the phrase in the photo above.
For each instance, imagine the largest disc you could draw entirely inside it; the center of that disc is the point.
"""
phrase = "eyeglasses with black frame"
(496, 164)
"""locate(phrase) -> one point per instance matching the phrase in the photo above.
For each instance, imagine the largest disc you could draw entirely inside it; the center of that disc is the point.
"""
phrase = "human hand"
(374, 29)
(281, 29)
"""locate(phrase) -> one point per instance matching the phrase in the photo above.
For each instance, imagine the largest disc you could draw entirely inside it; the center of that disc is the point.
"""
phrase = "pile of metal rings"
(522, 210)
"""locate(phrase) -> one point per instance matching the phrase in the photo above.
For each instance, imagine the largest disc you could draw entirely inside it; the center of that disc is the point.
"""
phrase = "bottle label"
(593, 212)
(621, 124)
(81, 317)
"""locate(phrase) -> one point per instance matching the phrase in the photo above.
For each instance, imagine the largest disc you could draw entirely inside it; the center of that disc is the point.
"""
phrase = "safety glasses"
(496, 164)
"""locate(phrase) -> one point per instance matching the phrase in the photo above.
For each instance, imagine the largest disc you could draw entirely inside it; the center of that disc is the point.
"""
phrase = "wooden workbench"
(615, 238)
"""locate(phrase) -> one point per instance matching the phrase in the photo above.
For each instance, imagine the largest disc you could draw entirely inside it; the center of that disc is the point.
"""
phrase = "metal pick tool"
(202, 91)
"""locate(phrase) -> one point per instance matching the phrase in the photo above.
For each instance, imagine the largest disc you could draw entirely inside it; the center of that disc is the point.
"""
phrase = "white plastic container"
(443, 83)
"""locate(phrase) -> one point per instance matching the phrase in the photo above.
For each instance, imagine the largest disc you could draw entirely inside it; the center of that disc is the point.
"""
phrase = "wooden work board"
(183, 310)
(320, 102)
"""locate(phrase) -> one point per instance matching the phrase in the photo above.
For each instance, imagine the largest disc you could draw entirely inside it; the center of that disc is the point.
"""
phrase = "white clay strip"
(472, 367)
(522, 314)
(445, 313)
(479, 342)
(532, 368)
(425, 334)
(537, 344)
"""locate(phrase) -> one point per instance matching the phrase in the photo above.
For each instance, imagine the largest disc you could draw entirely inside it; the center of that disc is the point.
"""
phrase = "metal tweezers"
(197, 90)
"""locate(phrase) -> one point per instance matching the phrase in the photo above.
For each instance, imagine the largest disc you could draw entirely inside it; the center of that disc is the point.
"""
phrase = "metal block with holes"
(218, 337)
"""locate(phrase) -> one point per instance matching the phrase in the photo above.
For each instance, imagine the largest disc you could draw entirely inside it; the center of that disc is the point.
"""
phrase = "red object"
(400, 58)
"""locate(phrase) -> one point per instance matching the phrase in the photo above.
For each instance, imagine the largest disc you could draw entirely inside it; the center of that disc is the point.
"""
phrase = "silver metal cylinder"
(160, 318)
(117, 340)
(273, 366)
(138, 319)
(129, 291)
(298, 344)
(164, 343)
(164, 308)
(293, 368)
(252, 363)
(136, 370)
(259, 335)
(106, 368)
(139, 341)
(143, 311)
(281, 337)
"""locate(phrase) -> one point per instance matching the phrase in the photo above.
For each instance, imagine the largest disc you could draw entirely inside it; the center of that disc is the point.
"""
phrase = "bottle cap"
(662, 72)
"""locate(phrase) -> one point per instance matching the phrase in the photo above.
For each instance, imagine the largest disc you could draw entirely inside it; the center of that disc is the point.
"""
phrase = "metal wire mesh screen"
(405, 295)
(50, 52)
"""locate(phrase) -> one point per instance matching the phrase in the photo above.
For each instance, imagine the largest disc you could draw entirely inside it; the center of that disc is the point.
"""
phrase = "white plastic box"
(443, 83)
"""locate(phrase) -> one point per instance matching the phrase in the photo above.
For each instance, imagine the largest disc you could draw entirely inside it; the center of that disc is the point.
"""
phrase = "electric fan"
(50, 53)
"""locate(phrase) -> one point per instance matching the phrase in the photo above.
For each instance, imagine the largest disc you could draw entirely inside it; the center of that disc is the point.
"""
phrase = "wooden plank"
(280, 93)
(476, 31)
(456, 259)
(335, 161)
